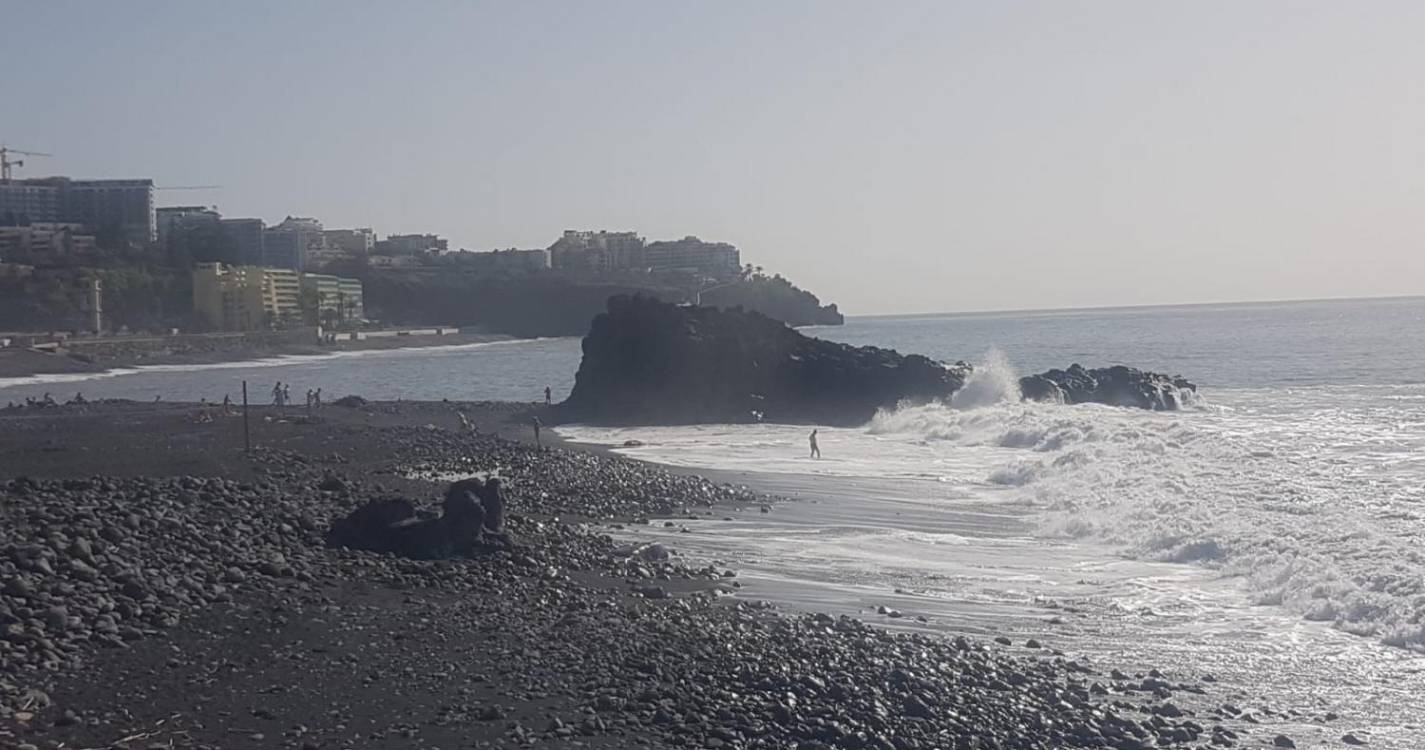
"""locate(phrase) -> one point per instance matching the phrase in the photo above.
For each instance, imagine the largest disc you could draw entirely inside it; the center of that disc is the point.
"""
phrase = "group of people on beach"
(282, 396)
(46, 401)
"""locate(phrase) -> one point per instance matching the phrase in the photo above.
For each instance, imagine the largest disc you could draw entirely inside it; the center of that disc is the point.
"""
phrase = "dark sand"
(212, 615)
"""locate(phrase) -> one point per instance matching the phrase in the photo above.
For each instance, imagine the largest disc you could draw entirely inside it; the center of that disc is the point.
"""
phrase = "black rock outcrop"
(649, 362)
(470, 519)
(1115, 386)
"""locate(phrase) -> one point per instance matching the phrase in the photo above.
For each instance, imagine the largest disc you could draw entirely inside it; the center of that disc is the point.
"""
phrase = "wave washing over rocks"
(1315, 506)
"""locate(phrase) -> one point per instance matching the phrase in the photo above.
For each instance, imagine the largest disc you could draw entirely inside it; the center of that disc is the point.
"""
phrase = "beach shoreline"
(18, 362)
(231, 625)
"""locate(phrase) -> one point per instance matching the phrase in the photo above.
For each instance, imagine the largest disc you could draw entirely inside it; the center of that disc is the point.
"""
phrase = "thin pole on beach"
(246, 430)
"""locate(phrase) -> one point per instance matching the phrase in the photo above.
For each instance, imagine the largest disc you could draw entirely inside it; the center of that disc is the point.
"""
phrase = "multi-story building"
(245, 237)
(44, 242)
(174, 222)
(349, 243)
(337, 300)
(597, 251)
(503, 261)
(690, 254)
(411, 244)
(121, 206)
(245, 298)
(23, 202)
(293, 243)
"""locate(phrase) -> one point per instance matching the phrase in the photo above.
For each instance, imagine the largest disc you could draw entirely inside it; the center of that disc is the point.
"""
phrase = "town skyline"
(926, 158)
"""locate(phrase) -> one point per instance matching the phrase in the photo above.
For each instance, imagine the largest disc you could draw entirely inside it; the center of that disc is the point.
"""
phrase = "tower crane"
(6, 164)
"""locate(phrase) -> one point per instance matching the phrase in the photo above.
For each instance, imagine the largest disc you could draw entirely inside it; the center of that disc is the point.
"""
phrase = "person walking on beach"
(287, 394)
(548, 396)
(815, 451)
(277, 394)
(317, 399)
(537, 423)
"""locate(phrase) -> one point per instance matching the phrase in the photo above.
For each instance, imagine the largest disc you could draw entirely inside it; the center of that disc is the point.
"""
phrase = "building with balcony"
(336, 300)
(245, 298)
(692, 255)
(579, 250)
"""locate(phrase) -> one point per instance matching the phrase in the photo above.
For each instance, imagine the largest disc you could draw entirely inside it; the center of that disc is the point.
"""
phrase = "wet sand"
(213, 603)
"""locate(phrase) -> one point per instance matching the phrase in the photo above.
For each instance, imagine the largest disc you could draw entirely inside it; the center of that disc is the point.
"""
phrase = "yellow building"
(246, 298)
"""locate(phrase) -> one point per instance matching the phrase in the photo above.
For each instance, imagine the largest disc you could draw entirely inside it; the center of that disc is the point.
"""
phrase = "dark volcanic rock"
(393, 525)
(1115, 386)
(647, 361)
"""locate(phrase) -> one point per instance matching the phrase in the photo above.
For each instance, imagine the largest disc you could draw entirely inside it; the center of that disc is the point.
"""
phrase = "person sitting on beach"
(815, 451)
(79, 399)
(48, 400)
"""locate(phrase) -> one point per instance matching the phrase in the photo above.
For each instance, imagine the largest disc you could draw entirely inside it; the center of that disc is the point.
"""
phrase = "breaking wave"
(1313, 498)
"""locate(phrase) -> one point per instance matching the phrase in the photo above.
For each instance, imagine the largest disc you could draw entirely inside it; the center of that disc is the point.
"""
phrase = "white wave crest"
(992, 382)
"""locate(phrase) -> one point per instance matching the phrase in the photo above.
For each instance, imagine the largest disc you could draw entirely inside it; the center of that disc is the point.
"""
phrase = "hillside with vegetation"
(556, 304)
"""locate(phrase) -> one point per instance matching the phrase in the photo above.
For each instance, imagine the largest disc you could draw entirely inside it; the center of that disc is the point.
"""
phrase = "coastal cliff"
(552, 304)
(650, 362)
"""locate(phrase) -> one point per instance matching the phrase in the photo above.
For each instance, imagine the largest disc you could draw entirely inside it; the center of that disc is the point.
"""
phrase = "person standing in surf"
(815, 451)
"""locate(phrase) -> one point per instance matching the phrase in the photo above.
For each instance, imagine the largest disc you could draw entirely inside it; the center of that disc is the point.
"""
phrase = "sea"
(1271, 538)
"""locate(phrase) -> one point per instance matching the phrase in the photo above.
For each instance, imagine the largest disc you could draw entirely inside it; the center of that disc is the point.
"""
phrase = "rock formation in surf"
(649, 362)
(1115, 386)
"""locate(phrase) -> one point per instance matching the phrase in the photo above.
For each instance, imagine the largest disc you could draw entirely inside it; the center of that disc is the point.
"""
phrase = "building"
(502, 261)
(692, 255)
(174, 221)
(45, 242)
(245, 298)
(23, 202)
(579, 250)
(349, 243)
(337, 300)
(411, 244)
(124, 207)
(293, 243)
(245, 237)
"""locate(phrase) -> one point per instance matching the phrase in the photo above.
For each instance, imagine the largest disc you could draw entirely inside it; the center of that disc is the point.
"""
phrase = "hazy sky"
(892, 157)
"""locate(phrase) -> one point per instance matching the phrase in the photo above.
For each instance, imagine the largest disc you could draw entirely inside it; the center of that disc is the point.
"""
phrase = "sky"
(891, 157)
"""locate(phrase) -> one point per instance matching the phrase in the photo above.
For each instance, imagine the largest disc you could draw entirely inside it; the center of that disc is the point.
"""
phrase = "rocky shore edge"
(25, 363)
(201, 609)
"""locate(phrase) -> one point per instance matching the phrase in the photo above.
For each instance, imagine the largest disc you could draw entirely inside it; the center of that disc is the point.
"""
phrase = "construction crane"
(6, 164)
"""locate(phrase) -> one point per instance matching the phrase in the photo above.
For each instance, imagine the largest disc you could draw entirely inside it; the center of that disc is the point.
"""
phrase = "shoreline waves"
(209, 587)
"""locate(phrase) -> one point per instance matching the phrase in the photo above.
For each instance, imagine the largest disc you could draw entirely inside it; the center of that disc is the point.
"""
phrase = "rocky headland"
(649, 362)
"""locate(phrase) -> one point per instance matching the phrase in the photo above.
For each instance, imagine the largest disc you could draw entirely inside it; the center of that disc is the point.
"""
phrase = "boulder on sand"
(1115, 386)
(650, 362)
(394, 525)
